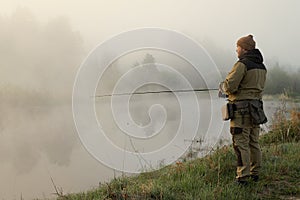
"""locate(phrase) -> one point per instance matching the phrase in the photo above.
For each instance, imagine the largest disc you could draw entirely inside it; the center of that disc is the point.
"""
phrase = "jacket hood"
(253, 55)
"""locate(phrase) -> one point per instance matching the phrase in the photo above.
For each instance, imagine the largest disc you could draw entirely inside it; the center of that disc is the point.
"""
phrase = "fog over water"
(43, 43)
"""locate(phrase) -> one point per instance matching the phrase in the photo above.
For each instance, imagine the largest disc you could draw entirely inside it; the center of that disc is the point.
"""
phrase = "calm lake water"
(40, 143)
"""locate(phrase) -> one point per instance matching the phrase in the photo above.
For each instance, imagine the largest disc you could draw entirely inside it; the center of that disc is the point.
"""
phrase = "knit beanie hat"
(246, 42)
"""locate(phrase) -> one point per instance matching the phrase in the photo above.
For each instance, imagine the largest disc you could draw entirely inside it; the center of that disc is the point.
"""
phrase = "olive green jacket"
(246, 80)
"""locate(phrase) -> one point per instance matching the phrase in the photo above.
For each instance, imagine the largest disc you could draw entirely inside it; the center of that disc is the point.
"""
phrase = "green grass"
(211, 177)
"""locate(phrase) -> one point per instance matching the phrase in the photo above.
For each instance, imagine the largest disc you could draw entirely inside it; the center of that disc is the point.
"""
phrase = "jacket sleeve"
(234, 78)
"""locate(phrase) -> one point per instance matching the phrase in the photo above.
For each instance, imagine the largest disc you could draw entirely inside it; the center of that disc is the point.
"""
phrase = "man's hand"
(221, 93)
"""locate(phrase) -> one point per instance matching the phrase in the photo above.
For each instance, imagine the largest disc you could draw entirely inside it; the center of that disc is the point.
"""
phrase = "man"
(244, 86)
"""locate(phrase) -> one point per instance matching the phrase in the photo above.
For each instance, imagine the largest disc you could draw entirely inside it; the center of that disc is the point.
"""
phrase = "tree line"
(280, 80)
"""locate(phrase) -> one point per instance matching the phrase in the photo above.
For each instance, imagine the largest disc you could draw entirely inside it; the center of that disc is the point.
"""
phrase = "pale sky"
(274, 24)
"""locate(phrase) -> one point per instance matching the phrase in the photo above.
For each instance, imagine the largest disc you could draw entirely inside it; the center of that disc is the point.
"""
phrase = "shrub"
(285, 125)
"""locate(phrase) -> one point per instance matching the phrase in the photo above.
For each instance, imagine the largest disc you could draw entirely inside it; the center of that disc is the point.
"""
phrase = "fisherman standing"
(243, 86)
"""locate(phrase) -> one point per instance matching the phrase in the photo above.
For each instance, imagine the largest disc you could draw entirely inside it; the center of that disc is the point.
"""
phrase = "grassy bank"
(212, 177)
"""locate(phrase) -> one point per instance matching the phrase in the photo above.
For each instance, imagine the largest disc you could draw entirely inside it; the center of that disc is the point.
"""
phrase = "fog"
(43, 43)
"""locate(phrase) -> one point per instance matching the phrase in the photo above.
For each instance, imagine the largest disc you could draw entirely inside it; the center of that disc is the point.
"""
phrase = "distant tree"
(295, 82)
(38, 67)
(148, 59)
(278, 80)
(43, 57)
(151, 69)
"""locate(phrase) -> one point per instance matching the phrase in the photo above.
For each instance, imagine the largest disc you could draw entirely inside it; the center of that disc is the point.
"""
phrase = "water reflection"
(45, 144)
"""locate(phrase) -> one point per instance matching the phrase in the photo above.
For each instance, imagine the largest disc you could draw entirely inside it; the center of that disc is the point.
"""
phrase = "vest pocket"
(257, 113)
(236, 130)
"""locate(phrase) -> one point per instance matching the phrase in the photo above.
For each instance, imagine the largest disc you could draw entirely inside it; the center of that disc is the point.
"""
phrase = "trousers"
(245, 138)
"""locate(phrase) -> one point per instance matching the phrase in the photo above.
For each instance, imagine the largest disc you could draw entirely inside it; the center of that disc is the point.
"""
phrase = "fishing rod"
(155, 92)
